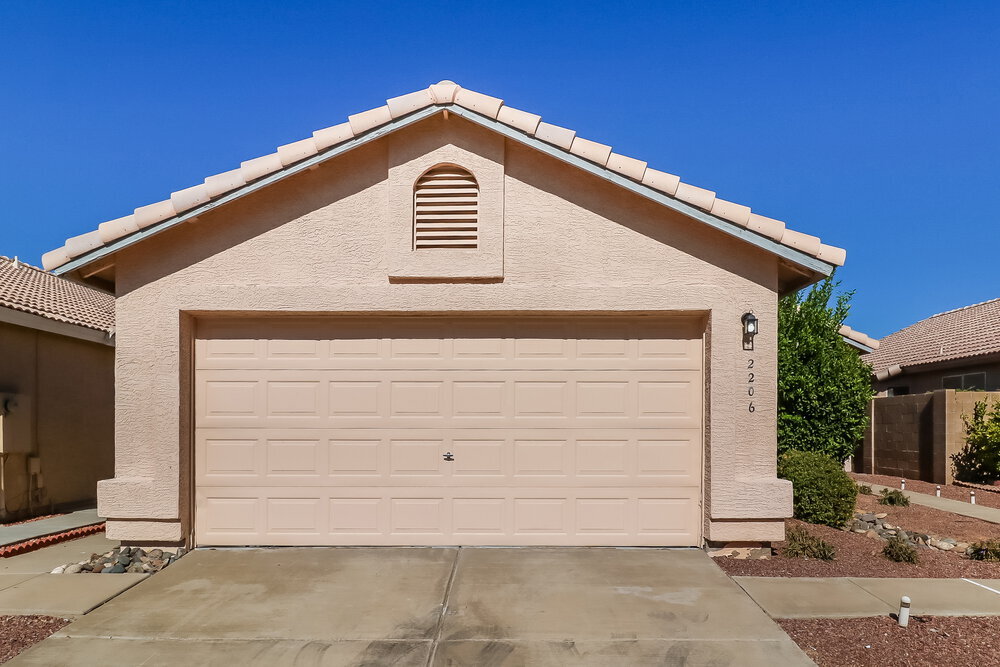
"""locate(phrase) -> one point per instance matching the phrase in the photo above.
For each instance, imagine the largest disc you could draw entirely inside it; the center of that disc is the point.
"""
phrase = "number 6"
(752, 408)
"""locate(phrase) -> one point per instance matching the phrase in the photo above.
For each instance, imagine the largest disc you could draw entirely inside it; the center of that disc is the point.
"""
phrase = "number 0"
(752, 408)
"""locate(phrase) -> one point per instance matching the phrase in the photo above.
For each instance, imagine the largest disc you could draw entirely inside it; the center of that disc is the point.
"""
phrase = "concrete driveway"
(441, 606)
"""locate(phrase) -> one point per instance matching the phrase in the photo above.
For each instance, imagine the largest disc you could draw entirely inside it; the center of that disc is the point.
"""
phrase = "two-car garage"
(427, 430)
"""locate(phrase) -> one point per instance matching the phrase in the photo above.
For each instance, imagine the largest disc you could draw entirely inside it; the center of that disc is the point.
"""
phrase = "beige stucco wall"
(69, 385)
(318, 243)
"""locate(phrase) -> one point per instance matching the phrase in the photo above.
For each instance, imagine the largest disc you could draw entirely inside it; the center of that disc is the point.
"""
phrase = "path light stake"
(902, 484)
(972, 497)
(904, 611)
(937, 491)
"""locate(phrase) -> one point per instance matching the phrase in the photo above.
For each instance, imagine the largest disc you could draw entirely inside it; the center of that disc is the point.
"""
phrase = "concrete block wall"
(915, 436)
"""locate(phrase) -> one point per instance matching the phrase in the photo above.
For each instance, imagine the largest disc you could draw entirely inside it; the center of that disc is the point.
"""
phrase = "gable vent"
(446, 209)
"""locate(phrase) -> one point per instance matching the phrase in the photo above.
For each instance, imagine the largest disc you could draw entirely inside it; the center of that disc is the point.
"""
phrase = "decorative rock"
(867, 517)
(945, 546)
(73, 569)
(963, 546)
(155, 553)
(117, 569)
(58, 570)
(881, 515)
(873, 535)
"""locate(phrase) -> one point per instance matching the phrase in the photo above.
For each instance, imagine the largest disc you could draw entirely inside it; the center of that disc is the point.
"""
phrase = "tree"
(823, 383)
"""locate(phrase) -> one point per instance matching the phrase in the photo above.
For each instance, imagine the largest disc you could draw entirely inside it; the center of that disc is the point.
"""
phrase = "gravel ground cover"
(984, 496)
(935, 522)
(860, 556)
(928, 641)
(18, 633)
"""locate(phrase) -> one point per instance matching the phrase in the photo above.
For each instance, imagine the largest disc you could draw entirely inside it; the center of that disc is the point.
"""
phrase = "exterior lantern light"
(750, 328)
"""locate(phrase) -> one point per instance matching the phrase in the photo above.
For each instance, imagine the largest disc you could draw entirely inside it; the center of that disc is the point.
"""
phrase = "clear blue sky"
(875, 126)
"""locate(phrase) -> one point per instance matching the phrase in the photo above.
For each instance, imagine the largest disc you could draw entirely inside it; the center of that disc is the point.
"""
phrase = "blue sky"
(875, 126)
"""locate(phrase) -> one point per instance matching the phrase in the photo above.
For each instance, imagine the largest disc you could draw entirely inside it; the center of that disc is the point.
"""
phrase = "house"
(957, 349)
(445, 321)
(56, 391)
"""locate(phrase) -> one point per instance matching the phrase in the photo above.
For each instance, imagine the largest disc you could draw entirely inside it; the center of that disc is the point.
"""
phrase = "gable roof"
(699, 203)
(31, 290)
(962, 333)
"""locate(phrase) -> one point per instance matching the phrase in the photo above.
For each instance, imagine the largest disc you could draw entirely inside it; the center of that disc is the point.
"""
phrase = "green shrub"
(824, 385)
(865, 490)
(800, 544)
(988, 551)
(893, 497)
(900, 551)
(979, 460)
(823, 493)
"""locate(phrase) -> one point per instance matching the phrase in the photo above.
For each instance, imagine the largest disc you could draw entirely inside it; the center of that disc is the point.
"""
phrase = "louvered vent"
(446, 209)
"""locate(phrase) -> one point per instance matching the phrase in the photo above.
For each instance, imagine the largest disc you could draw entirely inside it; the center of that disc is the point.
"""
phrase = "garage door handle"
(448, 456)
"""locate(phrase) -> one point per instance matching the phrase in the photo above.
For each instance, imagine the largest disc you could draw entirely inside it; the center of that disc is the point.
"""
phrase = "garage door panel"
(409, 343)
(421, 516)
(445, 398)
(449, 430)
(485, 457)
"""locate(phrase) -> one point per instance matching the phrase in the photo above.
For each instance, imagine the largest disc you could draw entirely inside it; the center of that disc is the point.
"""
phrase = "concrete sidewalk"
(26, 587)
(848, 597)
(42, 527)
(990, 514)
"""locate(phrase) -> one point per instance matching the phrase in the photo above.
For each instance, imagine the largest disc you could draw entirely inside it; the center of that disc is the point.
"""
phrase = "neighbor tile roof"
(441, 94)
(31, 290)
(956, 334)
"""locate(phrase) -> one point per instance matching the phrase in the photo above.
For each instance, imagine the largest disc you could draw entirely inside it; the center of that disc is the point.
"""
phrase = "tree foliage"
(824, 385)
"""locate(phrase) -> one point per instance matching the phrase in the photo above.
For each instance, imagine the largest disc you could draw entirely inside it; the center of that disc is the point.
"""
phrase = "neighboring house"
(57, 392)
(445, 322)
(957, 349)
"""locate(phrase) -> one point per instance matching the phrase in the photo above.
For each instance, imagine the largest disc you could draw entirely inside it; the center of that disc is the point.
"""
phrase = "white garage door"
(434, 430)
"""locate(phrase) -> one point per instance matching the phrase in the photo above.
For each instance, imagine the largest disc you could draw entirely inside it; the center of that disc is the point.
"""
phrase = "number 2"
(750, 378)
(749, 363)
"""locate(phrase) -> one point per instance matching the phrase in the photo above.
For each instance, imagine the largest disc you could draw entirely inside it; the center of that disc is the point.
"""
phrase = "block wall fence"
(914, 436)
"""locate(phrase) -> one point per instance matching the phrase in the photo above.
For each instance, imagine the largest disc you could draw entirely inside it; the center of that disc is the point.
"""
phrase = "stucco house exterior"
(445, 321)
(958, 349)
(56, 391)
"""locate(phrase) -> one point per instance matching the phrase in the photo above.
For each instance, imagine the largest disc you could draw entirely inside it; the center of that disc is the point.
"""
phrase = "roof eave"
(816, 269)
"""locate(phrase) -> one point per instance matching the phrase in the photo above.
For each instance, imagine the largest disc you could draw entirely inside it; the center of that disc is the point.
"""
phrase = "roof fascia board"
(32, 321)
(790, 254)
(730, 228)
(861, 346)
(250, 188)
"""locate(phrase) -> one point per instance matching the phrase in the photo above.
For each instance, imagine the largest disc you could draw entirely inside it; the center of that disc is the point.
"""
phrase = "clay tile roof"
(445, 93)
(31, 290)
(859, 337)
(956, 334)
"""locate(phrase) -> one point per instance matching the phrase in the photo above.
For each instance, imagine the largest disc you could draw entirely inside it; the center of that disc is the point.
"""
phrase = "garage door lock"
(448, 456)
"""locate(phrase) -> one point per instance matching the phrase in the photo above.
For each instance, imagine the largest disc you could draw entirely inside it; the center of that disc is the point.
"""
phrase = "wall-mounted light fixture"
(750, 327)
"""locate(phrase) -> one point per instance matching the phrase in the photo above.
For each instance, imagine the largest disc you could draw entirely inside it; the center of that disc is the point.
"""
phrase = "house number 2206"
(750, 387)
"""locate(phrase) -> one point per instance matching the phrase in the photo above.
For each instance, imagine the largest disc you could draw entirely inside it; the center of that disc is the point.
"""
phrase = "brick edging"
(34, 543)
